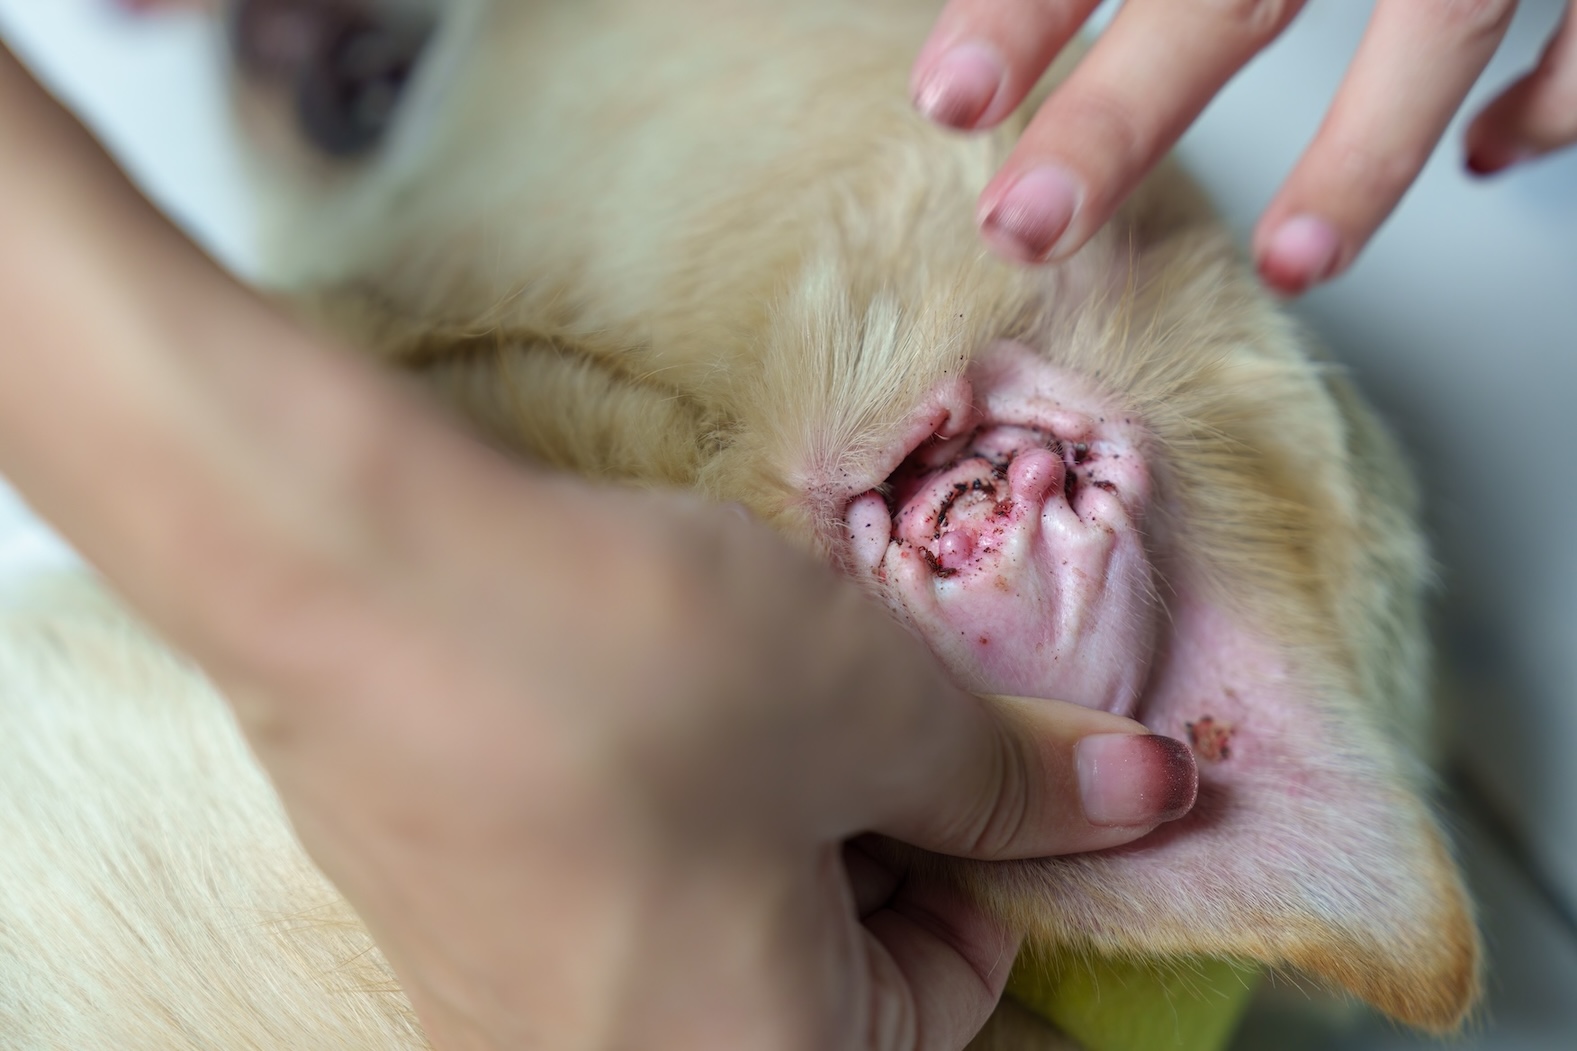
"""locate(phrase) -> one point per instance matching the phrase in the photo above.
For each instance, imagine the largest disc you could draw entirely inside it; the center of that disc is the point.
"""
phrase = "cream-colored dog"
(706, 243)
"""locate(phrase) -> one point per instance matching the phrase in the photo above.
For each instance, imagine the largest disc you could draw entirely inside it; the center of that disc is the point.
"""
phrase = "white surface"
(1461, 320)
(151, 88)
(27, 546)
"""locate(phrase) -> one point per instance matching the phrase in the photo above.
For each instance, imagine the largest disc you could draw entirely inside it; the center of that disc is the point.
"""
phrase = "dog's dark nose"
(344, 63)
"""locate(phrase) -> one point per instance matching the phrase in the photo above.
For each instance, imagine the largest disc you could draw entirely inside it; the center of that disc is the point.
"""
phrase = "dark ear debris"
(1211, 738)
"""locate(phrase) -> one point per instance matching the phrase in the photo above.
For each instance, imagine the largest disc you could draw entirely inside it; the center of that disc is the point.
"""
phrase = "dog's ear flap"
(1310, 846)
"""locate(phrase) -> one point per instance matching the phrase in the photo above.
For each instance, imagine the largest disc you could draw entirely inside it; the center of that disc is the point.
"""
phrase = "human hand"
(587, 762)
(596, 790)
(1161, 61)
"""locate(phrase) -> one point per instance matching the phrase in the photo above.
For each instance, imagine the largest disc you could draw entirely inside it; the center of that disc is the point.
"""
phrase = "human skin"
(1152, 72)
(550, 740)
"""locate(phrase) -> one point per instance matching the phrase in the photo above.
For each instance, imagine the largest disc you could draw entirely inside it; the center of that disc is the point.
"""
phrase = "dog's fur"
(707, 244)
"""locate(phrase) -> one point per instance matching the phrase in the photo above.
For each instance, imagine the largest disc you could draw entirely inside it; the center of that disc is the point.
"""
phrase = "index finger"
(1142, 83)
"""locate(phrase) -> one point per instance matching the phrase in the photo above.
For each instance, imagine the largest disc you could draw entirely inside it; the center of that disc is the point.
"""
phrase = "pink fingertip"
(1491, 159)
(1302, 253)
(961, 85)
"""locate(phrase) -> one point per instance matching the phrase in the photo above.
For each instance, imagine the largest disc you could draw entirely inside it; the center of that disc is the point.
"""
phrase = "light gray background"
(1460, 321)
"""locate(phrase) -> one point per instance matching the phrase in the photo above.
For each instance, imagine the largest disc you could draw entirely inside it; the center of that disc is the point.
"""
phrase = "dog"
(707, 244)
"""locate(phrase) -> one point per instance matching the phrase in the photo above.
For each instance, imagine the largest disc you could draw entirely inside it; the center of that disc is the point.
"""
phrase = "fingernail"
(1029, 218)
(1487, 159)
(1135, 779)
(1303, 252)
(960, 86)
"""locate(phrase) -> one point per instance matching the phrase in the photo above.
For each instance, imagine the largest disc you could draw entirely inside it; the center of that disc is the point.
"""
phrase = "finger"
(1141, 85)
(1535, 115)
(984, 56)
(939, 965)
(1031, 778)
(1416, 63)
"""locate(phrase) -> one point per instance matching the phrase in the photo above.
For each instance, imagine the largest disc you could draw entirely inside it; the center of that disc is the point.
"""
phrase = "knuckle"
(1558, 129)
(894, 1017)
(1105, 124)
(1005, 814)
(1474, 19)
(1551, 120)
(1259, 19)
(1375, 175)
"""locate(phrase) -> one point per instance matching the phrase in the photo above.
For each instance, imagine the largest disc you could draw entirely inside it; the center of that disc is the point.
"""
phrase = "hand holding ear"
(1160, 62)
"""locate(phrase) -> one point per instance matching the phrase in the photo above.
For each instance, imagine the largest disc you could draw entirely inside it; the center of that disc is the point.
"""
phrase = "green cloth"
(1184, 1004)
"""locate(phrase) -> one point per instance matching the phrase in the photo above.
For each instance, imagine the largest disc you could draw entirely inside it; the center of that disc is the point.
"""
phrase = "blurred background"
(1460, 322)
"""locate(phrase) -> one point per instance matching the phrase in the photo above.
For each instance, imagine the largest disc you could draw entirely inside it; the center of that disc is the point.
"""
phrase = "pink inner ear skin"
(1306, 846)
(1014, 546)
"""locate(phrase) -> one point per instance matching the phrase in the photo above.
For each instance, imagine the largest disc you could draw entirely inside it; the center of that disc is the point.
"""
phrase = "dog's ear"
(1295, 665)
(1308, 848)
(1294, 661)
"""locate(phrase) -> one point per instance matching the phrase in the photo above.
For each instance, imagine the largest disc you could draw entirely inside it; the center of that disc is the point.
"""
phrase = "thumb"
(1014, 777)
